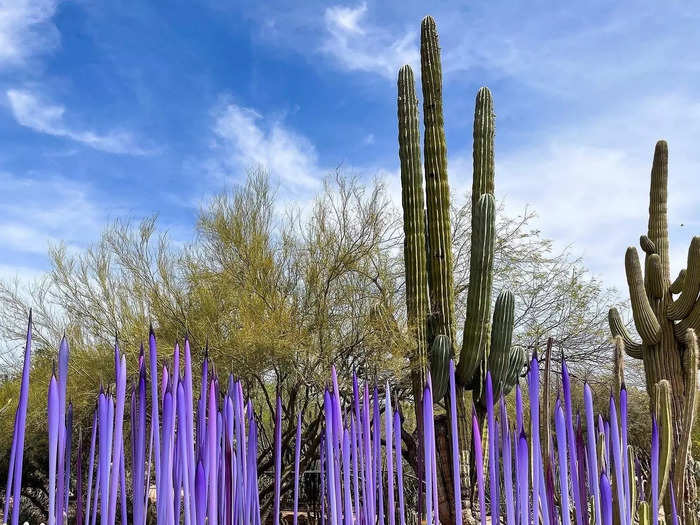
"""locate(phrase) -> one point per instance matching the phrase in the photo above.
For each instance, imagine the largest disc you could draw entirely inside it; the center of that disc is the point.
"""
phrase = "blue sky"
(122, 109)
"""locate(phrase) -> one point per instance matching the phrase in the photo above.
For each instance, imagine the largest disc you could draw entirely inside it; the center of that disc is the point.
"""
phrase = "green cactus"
(440, 366)
(437, 189)
(428, 232)
(690, 364)
(430, 294)
(501, 361)
(413, 219)
(662, 408)
(661, 320)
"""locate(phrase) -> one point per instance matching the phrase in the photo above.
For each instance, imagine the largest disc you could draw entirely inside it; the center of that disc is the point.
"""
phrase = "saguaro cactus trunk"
(662, 321)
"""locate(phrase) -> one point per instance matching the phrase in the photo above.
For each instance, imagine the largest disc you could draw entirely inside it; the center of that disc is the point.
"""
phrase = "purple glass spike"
(571, 441)
(200, 482)
(399, 467)
(388, 418)
(155, 399)
(674, 511)
(79, 509)
(493, 452)
(518, 410)
(606, 500)
(330, 458)
(297, 453)
(347, 510)
(654, 471)
(428, 454)
(355, 467)
(53, 420)
(278, 460)
(369, 481)
(189, 424)
(592, 453)
(118, 443)
(479, 466)
(521, 479)
(560, 429)
(618, 459)
(623, 452)
(62, 386)
(212, 499)
(165, 496)
(507, 465)
(456, 471)
(378, 464)
(581, 461)
(21, 422)
(91, 464)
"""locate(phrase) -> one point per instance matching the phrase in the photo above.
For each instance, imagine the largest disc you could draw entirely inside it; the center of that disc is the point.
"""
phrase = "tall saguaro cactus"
(437, 188)
(430, 294)
(661, 320)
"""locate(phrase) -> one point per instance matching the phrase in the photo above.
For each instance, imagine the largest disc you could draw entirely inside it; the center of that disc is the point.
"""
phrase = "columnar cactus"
(430, 294)
(661, 320)
(437, 189)
(413, 221)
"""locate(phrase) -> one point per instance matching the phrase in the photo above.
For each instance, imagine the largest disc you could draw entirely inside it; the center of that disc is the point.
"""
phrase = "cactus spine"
(430, 295)
(662, 321)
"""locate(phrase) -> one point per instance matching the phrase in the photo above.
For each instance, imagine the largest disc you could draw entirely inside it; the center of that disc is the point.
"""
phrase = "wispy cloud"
(40, 209)
(359, 45)
(32, 111)
(244, 139)
(590, 184)
(26, 29)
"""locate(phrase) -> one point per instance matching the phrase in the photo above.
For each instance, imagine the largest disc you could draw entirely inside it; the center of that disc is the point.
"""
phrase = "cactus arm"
(644, 318)
(647, 245)
(692, 321)
(483, 149)
(658, 206)
(677, 285)
(475, 342)
(663, 416)
(516, 363)
(690, 401)
(617, 327)
(682, 306)
(501, 338)
(476, 336)
(412, 200)
(436, 186)
(653, 282)
(504, 361)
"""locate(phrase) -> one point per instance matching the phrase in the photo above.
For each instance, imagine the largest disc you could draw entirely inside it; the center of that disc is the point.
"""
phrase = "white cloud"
(31, 111)
(358, 45)
(38, 211)
(590, 185)
(26, 29)
(244, 139)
